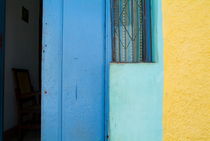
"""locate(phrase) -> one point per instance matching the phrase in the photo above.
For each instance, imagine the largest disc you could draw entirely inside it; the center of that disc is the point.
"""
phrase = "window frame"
(147, 49)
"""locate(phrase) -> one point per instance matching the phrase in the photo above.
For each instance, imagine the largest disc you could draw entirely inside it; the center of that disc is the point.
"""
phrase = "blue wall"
(2, 8)
(136, 92)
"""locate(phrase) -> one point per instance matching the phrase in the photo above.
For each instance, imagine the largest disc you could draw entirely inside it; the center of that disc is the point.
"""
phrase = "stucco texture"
(187, 70)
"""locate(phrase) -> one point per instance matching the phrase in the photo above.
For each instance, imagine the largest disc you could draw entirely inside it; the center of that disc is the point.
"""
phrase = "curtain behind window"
(130, 29)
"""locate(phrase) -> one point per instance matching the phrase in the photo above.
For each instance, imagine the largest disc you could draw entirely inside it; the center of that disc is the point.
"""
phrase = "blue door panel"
(83, 70)
(52, 70)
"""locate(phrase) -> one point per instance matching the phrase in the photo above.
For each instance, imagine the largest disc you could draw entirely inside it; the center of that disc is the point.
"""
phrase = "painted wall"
(136, 92)
(21, 51)
(187, 61)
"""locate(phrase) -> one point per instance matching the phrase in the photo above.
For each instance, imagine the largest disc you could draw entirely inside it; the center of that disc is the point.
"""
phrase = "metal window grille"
(131, 22)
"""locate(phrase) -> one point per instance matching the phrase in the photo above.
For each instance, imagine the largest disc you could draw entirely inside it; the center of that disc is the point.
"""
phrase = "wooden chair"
(29, 109)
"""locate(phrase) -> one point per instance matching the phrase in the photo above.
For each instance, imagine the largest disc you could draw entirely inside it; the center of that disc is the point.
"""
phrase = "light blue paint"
(83, 79)
(136, 93)
(2, 29)
(52, 70)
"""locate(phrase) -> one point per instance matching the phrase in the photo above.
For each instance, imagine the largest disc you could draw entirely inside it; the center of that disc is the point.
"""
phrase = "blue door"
(74, 66)
(83, 70)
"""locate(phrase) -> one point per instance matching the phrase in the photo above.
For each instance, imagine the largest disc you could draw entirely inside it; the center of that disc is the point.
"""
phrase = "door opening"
(22, 70)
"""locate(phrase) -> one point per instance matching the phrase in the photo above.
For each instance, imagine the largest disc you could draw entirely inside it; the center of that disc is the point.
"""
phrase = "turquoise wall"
(136, 92)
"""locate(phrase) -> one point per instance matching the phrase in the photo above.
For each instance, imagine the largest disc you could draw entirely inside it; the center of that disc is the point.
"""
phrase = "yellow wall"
(186, 25)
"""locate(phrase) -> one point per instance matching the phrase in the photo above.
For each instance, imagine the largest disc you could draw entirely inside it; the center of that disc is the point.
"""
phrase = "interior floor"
(29, 136)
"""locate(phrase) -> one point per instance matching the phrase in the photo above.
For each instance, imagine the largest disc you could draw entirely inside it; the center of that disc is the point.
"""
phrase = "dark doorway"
(22, 70)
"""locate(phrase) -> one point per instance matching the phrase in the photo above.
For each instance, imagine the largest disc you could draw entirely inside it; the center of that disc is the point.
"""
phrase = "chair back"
(23, 81)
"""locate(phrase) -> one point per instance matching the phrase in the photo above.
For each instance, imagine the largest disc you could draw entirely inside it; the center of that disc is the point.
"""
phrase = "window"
(131, 22)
